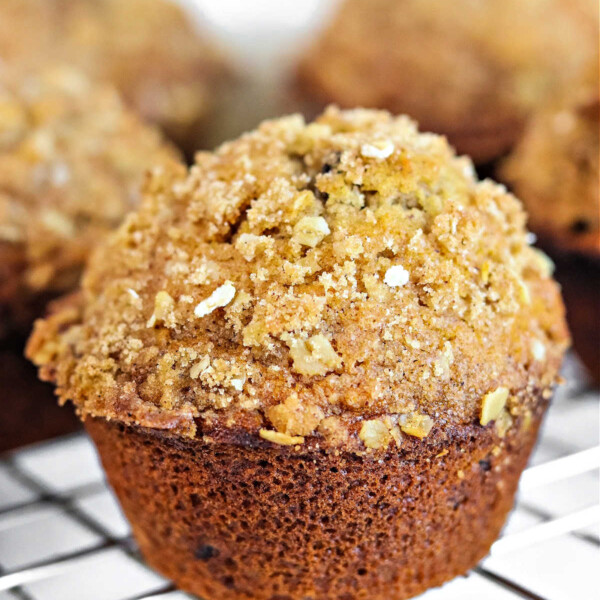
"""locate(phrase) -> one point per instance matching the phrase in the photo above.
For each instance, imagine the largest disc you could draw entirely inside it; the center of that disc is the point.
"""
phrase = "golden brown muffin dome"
(150, 50)
(343, 282)
(468, 69)
(72, 159)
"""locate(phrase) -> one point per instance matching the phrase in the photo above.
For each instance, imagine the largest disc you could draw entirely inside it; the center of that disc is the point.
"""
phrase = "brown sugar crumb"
(334, 430)
(317, 293)
(314, 356)
(294, 418)
(375, 434)
(503, 423)
(416, 425)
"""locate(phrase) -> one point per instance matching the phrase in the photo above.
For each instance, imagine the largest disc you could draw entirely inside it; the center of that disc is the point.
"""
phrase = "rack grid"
(63, 537)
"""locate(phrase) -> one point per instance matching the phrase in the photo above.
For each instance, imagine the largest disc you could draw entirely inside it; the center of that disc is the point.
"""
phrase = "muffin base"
(251, 520)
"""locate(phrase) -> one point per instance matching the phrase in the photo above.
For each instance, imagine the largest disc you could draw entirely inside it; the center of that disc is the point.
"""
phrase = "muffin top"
(336, 283)
(149, 49)
(461, 68)
(72, 159)
(555, 170)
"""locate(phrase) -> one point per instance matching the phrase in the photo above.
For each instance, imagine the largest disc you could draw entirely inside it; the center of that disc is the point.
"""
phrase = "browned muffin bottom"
(343, 295)
(245, 520)
(470, 70)
(150, 50)
(71, 161)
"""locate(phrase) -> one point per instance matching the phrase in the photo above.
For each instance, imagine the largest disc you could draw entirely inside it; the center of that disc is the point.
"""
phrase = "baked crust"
(232, 521)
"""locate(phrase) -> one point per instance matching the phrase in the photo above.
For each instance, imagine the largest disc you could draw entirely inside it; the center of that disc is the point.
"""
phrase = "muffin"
(150, 50)
(314, 364)
(72, 159)
(555, 170)
(470, 70)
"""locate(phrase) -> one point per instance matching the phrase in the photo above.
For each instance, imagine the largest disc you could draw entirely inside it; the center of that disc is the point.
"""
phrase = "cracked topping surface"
(461, 66)
(150, 50)
(72, 160)
(347, 281)
(555, 171)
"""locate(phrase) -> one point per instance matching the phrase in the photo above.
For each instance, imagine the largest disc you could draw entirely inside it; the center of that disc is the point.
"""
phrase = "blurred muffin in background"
(30, 412)
(471, 70)
(71, 160)
(150, 50)
(555, 171)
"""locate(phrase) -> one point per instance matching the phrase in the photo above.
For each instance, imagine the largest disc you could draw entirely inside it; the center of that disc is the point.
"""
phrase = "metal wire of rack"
(62, 535)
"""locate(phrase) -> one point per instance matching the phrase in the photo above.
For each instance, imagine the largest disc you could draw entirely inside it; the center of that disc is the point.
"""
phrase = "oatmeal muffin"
(314, 364)
(470, 70)
(72, 159)
(150, 50)
(555, 170)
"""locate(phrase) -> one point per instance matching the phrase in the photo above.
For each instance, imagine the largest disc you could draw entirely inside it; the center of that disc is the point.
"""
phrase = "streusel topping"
(298, 283)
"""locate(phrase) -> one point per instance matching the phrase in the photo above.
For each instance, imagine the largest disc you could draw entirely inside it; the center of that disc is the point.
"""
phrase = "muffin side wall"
(228, 521)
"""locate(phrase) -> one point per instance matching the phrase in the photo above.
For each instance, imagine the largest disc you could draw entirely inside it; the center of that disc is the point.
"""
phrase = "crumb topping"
(72, 160)
(222, 296)
(396, 276)
(382, 327)
(492, 405)
(283, 439)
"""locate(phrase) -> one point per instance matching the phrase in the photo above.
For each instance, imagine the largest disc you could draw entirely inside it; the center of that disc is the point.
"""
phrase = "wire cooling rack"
(63, 537)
